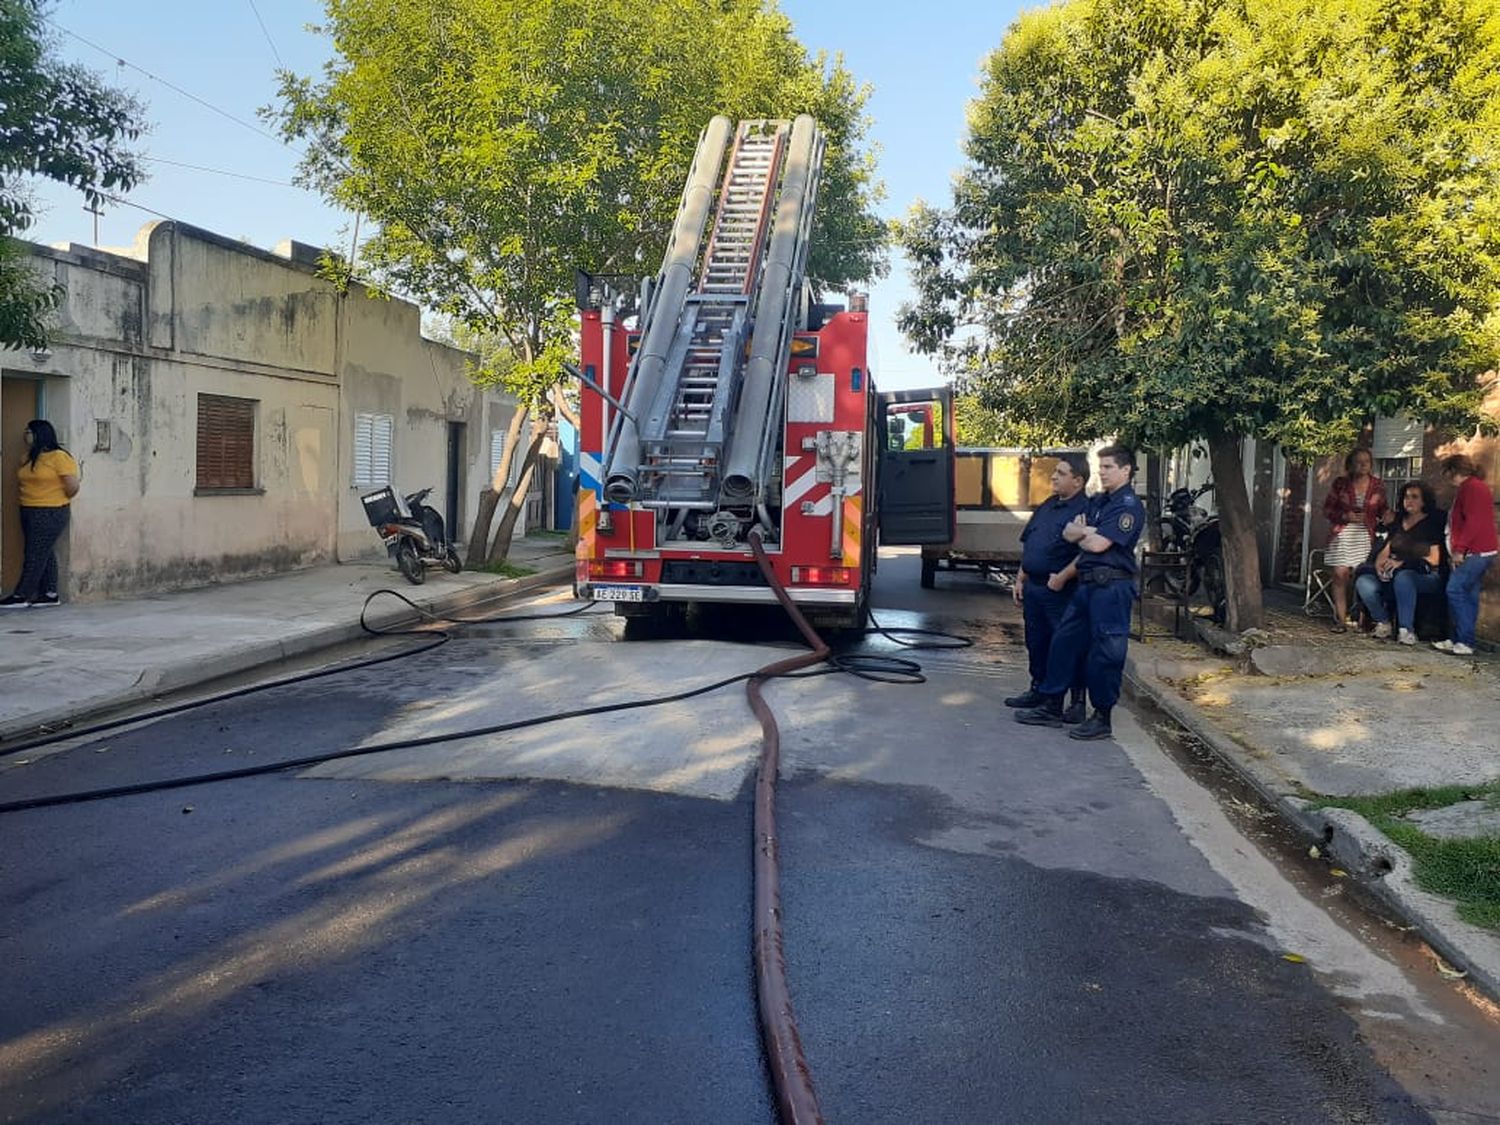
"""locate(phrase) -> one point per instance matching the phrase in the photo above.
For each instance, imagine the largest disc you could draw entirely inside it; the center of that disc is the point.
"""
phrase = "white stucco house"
(228, 406)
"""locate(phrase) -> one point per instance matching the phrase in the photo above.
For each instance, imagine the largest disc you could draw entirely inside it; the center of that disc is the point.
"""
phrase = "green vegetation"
(494, 147)
(1466, 869)
(504, 569)
(61, 123)
(1183, 220)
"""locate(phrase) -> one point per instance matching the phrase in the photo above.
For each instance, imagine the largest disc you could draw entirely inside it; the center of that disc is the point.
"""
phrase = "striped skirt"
(1350, 547)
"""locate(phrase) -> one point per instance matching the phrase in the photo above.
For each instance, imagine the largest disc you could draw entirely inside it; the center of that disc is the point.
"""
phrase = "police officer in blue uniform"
(1045, 585)
(1097, 622)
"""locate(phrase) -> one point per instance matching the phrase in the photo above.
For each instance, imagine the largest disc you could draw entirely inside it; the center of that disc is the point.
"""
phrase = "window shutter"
(226, 442)
(497, 450)
(1397, 437)
(374, 441)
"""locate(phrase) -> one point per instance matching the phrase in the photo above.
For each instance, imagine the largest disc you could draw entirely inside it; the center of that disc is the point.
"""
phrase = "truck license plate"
(619, 593)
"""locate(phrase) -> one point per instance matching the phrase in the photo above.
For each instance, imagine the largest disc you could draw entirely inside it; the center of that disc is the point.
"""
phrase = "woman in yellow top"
(49, 481)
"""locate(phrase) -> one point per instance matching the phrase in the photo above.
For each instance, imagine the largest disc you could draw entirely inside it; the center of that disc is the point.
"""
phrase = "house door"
(455, 479)
(20, 402)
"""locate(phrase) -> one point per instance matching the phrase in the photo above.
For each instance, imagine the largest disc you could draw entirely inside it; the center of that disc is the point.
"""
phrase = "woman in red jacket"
(1353, 506)
(1472, 544)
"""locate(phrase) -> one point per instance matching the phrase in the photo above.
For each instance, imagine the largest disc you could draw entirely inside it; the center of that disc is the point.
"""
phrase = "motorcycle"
(413, 533)
(1187, 529)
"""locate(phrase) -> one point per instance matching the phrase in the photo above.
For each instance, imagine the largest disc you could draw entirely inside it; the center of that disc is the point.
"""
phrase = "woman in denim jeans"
(1409, 564)
(1472, 545)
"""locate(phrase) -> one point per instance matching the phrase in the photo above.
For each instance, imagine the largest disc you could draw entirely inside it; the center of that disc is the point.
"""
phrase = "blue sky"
(923, 60)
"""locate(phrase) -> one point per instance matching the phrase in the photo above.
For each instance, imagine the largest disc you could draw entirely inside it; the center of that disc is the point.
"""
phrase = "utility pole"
(95, 210)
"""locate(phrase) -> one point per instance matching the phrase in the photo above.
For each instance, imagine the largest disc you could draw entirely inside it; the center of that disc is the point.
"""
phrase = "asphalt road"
(984, 922)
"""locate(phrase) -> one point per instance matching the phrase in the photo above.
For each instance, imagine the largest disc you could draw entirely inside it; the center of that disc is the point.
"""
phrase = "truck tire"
(929, 573)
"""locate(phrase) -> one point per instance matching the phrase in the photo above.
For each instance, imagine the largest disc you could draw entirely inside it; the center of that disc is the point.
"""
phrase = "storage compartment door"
(916, 466)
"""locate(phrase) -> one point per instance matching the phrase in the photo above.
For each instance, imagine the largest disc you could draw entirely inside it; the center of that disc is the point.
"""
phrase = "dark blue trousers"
(41, 529)
(1096, 630)
(1042, 611)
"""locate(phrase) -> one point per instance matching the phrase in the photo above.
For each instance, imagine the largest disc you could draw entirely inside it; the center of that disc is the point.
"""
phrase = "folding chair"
(1318, 594)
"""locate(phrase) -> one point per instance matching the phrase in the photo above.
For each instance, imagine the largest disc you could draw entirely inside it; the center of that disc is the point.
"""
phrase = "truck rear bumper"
(738, 594)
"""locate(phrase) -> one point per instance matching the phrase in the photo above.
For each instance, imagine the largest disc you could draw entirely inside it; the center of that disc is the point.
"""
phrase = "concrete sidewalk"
(65, 664)
(1303, 714)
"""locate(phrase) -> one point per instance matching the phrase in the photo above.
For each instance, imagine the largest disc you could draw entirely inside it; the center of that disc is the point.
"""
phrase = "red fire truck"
(731, 405)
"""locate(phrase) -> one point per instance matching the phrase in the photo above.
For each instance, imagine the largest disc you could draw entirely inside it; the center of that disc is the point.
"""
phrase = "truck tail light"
(616, 568)
(821, 575)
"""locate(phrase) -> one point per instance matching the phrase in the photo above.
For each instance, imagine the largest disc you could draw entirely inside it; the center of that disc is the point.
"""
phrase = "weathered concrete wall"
(144, 332)
(210, 296)
(388, 368)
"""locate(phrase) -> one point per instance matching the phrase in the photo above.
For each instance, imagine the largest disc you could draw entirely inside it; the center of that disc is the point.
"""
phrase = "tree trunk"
(489, 499)
(560, 404)
(1237, 527)
(507, 529)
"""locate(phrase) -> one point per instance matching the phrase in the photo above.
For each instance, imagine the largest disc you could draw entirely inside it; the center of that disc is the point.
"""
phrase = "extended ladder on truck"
(732, 405)
(688, 410)
(683, 435)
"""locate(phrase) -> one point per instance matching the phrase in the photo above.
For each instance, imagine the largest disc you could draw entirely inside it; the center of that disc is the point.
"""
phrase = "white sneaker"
(1443, 646)
(1382, 630)
(1461, 650)
(1407, 637)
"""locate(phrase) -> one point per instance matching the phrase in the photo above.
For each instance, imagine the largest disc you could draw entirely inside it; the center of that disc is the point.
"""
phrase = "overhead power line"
(266, 32)
(123, 202)
(176, 89)
(221, 172)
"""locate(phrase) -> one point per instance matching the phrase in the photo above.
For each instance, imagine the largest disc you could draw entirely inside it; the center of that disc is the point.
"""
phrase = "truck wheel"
(929, 573)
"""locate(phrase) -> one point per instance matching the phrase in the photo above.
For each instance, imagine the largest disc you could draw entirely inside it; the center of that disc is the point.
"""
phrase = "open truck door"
(916, 466)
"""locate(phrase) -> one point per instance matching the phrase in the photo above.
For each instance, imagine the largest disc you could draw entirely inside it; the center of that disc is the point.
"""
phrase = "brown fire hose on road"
(795, 1097)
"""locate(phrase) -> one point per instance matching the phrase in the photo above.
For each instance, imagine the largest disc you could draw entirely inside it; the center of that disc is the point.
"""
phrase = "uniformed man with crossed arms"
(1044, 587)
(1096, 625)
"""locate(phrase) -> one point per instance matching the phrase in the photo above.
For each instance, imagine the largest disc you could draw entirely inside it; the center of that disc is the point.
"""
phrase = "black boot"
(1095, 727)
(1028, 698)
(1075, 711)
(1047, 714)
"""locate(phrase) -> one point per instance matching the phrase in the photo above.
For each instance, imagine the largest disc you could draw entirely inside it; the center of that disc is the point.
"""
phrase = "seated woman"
(1410, 564)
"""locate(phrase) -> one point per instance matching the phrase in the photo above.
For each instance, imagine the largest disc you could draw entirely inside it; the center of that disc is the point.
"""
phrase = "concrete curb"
(1369, 856)
(158, 681)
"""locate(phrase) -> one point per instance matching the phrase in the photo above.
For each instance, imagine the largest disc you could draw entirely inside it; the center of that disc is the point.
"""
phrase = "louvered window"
(1397, 447)
(226, 442)
(374, 436)
(497, 450)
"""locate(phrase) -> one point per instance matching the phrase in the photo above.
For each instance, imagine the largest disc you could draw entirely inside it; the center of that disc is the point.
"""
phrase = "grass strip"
(504, 569)
(1466, 869)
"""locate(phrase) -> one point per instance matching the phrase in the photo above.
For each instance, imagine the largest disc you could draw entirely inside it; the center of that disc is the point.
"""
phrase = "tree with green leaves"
(61, 123)
(500, 145)
(1182, 220)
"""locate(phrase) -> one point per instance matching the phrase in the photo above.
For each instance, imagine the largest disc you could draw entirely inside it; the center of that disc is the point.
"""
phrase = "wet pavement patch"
(355, 952)
(936, 986)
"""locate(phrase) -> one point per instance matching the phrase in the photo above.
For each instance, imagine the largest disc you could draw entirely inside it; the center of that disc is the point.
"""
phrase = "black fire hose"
(431, 639)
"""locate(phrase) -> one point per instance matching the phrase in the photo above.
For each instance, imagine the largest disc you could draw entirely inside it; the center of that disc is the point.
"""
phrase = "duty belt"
(1099, 575)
